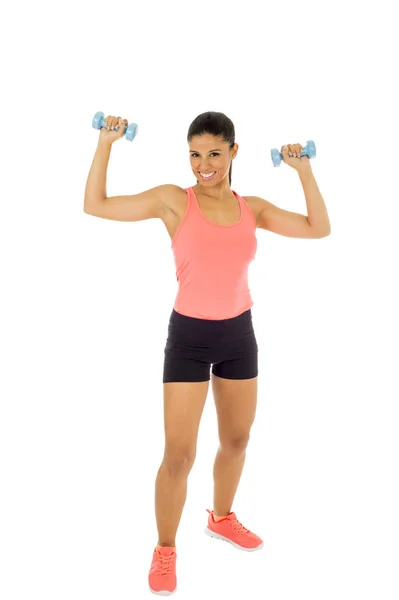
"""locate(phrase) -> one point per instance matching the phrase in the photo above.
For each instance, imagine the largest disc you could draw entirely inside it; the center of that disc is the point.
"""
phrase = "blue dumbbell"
(130, 131)
(309, 150)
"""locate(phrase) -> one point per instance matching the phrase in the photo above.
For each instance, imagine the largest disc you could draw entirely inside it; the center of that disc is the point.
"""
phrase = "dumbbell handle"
(309, 150)
(103, 125)
(304, 153)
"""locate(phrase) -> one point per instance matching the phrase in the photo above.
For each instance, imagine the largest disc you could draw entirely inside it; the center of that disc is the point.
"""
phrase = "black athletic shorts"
(193, 345)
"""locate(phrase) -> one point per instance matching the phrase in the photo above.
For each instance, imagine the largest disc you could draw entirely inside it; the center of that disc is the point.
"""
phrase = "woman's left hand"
(291, 156)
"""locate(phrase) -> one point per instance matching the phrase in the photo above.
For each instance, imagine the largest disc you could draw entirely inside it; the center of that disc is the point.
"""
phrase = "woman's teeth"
(208, 176)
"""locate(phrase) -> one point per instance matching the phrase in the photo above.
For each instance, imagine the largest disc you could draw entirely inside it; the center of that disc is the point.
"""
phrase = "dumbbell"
(309, 150)
(99, 122)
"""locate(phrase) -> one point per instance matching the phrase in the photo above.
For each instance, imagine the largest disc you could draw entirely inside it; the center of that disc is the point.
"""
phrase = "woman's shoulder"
(174, 198)
(171, 194)
(254, 204)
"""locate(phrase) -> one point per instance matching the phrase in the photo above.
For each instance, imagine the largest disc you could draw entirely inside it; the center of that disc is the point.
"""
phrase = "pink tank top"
(212, 263)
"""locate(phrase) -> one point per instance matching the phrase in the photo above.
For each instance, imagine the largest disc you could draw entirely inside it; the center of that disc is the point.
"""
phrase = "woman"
(212, 230)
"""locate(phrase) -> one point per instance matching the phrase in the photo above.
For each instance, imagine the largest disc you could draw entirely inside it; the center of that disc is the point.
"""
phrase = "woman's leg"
(183, 406)
(235, 402)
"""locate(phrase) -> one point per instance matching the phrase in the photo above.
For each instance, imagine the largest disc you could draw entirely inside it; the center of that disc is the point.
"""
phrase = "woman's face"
(210, 155)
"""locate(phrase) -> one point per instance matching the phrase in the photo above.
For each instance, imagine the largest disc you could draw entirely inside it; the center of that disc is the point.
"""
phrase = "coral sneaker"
(162, 576)
(232, 531)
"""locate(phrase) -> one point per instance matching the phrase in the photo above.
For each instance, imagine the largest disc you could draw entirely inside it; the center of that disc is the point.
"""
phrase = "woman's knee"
(178, 460)
(234, 444)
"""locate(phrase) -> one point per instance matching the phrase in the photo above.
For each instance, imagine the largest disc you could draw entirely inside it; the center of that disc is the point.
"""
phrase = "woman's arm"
(95, 191)
(290, 224)
(150, 204)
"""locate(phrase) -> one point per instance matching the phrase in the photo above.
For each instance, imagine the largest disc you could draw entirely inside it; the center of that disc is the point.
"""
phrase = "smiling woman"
(210, 331)
(206, 159)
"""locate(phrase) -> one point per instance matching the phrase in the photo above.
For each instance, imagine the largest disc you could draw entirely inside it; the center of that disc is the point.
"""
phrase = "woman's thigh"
(183, 407)
(236, 402)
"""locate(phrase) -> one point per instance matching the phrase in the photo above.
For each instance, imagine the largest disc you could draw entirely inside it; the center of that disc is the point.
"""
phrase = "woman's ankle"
(166, 545)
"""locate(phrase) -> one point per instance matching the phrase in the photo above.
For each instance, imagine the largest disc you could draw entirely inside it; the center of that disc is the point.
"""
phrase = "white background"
(85, 302)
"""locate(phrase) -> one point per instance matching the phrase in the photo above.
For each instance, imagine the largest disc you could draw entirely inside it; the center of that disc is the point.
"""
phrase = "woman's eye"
(213, 153)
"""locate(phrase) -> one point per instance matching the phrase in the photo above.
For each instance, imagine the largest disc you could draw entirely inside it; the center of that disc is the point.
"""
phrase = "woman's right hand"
(108, 133)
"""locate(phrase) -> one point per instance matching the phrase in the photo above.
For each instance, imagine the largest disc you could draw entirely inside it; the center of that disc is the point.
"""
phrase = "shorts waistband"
(194, 321)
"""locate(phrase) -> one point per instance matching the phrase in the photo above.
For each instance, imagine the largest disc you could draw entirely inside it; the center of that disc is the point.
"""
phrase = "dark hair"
(217, 124)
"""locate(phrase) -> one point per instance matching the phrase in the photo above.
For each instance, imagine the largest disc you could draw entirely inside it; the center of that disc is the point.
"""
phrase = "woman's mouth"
(207, 176)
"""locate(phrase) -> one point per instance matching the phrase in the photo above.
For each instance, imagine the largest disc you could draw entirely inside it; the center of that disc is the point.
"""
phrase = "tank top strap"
(192, 207)
(193, 210)
(247, 212)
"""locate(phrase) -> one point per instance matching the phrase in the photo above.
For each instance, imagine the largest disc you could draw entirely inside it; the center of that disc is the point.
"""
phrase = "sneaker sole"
(163, 593)
(225, 539)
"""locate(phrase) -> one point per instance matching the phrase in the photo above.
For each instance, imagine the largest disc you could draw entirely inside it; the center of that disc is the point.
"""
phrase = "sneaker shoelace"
(165, 564)
(239, 527)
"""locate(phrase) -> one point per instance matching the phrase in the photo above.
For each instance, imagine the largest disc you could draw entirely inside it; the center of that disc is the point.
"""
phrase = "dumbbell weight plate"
(276, 157)
(98, 120)
(131, 131)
